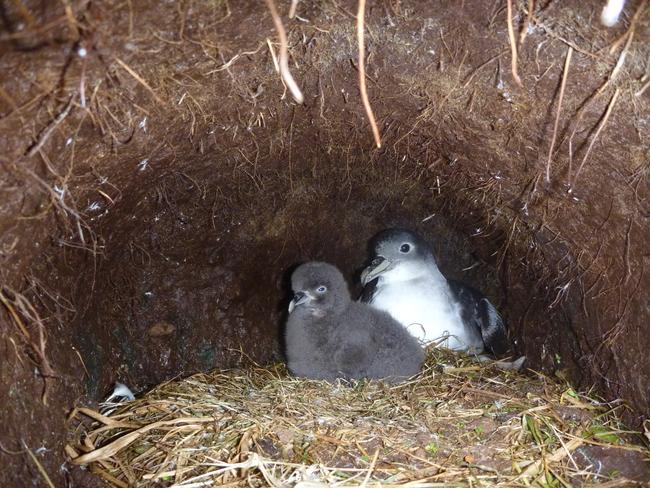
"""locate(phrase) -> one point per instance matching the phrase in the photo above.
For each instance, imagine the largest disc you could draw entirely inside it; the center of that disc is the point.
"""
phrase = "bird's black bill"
(298, 299)
(377, 266)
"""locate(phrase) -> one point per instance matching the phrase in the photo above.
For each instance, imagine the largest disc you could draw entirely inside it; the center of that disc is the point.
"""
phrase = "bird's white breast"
(424, 306)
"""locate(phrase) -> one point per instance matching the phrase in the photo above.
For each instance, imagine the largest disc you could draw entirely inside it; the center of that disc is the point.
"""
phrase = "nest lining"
(457, 423)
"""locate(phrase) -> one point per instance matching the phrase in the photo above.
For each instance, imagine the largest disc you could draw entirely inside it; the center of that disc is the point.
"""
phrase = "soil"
(158, 183)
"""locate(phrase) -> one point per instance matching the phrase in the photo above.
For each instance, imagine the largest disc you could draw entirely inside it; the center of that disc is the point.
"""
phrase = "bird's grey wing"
(354, 350)
(305, 354)
(479, 311)
(397, 355)
(368, 292)
(352, 360)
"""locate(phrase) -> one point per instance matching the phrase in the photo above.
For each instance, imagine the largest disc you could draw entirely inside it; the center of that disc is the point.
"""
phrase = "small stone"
(160, 329)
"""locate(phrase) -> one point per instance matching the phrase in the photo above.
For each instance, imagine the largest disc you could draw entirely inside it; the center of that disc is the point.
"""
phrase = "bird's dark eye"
(405, 248)
(321, 289)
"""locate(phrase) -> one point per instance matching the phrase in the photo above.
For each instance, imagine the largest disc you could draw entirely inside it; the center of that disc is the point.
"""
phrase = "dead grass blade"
(458, 423)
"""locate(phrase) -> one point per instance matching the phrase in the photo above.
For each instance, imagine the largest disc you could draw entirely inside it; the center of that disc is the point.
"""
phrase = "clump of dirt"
(157, 182)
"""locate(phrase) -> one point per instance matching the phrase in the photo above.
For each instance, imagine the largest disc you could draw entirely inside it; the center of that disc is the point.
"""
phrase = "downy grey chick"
(329, 336)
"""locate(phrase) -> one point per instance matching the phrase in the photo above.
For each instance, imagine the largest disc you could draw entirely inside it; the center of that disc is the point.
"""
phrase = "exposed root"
(565, 75)
(631, 27)
(528, 23)
(140, 80)
(19, 307)
(292, 9)
(642, 90)
(481, 66)
(59, 194)
(284, 55)
(47, 132)
(362, 72)
(610, 107)
(549, 31)
(513, 46)
(226, 65)
(39, 466)
(31, 33)
(620, 62)
(73, 24)
(612, 336)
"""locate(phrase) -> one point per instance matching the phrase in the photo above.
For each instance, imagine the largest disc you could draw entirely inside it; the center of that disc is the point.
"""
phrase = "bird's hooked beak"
(378, 266)
(299, 298)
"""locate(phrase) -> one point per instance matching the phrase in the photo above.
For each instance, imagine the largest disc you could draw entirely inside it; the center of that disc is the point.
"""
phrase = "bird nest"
(458, 423)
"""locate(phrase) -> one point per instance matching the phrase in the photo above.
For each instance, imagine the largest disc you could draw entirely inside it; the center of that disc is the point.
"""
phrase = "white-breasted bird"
(403, 279)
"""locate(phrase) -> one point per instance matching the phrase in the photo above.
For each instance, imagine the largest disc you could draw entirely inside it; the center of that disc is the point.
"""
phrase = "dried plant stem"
(72, 21)
(108, 477)
(18, 305)
(140, 80)
(642, 89)
(362, 72)
(621, 60)
(371, 468)
(8, 98)
(237, 427)
(130, 4)
(610, 106)
(24, 12)
(47, 132)
(39, 466)
(292, 9)
(559, 454)
(14, 315)
(276, 64)
(513, 46)
(27, 33)
(567, 63)
(111, 449)
(284, 55)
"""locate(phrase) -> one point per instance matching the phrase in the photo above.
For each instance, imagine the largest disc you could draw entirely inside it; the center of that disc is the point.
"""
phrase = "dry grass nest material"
(458, 423)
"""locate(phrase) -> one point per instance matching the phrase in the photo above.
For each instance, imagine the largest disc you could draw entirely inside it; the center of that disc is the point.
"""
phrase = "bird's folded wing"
(352, 355)
(478, 311)
(493, 331)
(368, 292)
